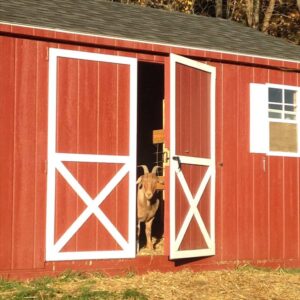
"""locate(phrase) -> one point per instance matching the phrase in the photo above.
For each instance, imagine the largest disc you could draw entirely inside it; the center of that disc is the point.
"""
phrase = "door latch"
(177, 158)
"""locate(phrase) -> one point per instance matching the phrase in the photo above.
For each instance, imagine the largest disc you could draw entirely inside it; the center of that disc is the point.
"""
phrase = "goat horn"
(154, 170)
(145, 168)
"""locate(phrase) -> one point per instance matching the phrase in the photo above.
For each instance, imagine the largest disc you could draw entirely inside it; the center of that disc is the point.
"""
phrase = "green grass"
(6, 285)
(35, 289)
(84, 287)
(248, 267)
(86, 294)
(291, 271)
(133, 294)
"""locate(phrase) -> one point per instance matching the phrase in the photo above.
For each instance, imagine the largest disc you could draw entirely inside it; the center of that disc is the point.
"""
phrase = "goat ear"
(139, 180)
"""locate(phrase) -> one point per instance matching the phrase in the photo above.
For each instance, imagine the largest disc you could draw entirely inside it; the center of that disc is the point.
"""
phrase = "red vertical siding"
(219, 160)
(87, 123)
(123, 89)
(107, 113)
(24, 154)
(258, 201)
(257, 196)
(291, 194)
(41, 154)
(291, 208)
(7, 107)
(276, 184)
(112, 140)
(276, 208)
(24, 133)
(229, 132)
(244, 178)
(200, 128)
(93, 118)
(192, 139)
(183, 106)
(67, 142)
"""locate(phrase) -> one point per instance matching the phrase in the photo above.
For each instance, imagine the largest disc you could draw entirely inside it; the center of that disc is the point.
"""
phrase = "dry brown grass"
(242, 283)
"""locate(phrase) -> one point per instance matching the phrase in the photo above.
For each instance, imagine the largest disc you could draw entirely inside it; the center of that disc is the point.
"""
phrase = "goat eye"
(140, 186)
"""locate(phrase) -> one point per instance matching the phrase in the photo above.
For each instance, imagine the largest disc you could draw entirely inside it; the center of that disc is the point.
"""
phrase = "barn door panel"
(192, 158)
(91, 156)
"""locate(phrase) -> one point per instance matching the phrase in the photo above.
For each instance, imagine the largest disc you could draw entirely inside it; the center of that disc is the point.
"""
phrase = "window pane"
(275, 95)
(288, 116)
(274, 115)
(289, 108)
(283, 137)
(275, 106)
(290, 97)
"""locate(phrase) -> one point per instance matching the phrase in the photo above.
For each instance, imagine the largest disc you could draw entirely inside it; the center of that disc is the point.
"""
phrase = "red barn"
(83, 87)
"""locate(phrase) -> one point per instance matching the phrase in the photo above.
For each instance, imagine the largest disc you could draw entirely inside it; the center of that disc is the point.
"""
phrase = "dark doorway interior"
(150, 117)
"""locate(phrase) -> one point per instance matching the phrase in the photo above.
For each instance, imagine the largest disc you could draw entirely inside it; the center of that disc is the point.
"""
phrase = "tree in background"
(279, 18)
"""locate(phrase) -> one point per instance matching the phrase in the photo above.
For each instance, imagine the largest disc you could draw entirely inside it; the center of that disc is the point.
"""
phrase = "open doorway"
(150, 118)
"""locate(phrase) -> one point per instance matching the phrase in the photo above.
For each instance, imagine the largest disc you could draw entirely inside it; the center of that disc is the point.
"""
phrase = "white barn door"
(91, 210)
(192, 158)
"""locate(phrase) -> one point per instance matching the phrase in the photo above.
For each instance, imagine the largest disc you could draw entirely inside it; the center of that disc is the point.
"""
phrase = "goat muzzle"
(148, 195)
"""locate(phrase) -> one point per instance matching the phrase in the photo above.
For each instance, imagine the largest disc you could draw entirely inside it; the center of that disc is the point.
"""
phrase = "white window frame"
(283, 111)
(260, 120)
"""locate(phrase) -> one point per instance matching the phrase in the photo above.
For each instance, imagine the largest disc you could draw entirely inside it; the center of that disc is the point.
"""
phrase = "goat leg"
(148, 228)
(148, 225)
(138, 236)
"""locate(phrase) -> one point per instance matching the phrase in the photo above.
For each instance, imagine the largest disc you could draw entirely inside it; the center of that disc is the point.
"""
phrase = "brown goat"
(147, 204)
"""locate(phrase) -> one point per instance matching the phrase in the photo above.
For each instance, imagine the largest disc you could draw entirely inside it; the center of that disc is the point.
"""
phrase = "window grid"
(282, 105)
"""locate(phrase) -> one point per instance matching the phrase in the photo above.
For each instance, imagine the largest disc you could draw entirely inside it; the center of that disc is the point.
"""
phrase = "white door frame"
(56, 164)
(175, 171)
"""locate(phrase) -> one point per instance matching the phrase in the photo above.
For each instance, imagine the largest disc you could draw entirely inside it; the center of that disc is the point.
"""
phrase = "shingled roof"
(132, 22)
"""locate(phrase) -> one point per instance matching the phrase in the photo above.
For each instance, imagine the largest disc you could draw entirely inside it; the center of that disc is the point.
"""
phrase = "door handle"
(177, 158)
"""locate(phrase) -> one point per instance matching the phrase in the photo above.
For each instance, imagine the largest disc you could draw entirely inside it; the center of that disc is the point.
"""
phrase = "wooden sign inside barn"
(85, 101)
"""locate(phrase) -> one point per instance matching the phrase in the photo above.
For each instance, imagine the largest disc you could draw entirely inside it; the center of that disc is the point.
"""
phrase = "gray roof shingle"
(133, 22)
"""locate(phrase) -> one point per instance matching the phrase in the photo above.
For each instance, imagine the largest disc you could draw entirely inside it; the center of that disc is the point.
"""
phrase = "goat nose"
(148, 195)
